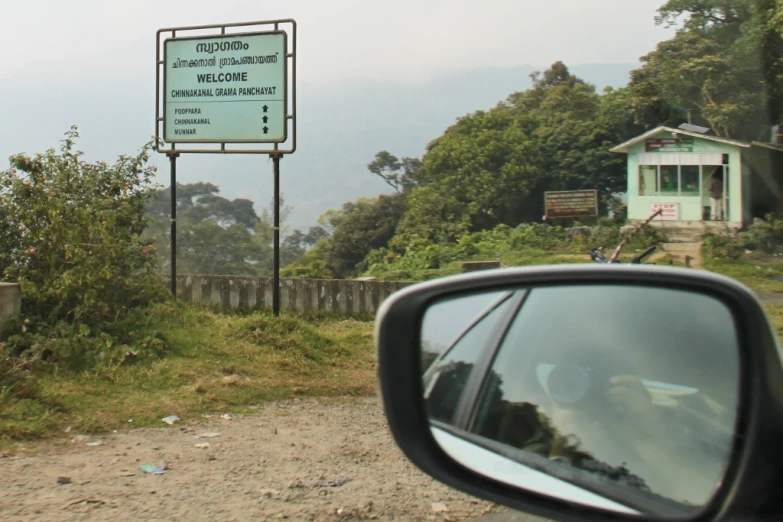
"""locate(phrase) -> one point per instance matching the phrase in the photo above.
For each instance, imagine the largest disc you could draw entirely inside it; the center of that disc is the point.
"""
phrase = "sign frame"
(271, 147)
(591, 194)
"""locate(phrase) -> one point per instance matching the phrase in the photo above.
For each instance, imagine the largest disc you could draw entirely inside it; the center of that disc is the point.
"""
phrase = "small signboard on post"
(571, 204)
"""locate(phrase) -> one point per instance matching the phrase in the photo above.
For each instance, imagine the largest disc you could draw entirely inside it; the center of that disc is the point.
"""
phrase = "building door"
(709, 174)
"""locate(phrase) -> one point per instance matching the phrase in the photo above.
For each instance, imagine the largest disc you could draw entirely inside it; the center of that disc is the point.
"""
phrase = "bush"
(765, 236)
(537, 235)
(71, 237)
(528, 242)
(717, 246)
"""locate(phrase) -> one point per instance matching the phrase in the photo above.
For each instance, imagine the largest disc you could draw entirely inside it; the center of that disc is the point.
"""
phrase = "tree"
(493, 167)
(402, 175)
(356, 229)
(296, 244)
(215, 235)
(703, 15)
(72, 238)
(723, 67)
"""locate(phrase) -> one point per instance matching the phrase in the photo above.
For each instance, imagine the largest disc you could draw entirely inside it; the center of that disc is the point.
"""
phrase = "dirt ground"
(298, 460)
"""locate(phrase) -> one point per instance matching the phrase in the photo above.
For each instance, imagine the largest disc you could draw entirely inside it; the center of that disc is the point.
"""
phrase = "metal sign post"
(173, 161)
(227, 89)
(276, 225)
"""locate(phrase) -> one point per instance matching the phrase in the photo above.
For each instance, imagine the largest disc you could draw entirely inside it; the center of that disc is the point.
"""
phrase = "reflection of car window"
(446, 380)
(553, 390)
(445, 321)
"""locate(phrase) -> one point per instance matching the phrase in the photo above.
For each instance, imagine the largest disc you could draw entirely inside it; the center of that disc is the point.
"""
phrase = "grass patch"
(218, 362)
(775, 314)
(759, 272)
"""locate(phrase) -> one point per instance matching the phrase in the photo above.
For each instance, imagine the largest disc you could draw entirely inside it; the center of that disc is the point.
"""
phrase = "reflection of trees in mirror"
(526, 427)
(446, 390)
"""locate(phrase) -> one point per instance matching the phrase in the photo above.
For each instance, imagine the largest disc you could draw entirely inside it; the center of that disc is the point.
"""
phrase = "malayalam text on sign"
(227, 88)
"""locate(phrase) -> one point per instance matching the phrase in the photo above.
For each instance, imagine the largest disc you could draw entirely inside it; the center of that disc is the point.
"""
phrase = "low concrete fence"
(349, 297)
(10, 302)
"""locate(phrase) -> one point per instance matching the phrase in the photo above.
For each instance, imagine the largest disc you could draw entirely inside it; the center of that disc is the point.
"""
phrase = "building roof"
(625, 147)
(772, 146)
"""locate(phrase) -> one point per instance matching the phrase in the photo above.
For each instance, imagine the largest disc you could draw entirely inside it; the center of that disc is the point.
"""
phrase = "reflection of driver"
(597, 399)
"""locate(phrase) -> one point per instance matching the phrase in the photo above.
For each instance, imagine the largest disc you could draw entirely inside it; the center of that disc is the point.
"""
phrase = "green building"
(679, 170)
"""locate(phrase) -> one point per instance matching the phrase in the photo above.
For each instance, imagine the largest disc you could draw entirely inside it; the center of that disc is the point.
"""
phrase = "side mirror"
(588, 393)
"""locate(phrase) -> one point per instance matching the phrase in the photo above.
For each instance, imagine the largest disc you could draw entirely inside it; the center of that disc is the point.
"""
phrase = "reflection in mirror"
(618, 397)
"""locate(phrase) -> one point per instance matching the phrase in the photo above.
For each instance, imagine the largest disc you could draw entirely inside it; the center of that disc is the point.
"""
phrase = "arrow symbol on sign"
(266, 129)
(265, 108)
(265, 119)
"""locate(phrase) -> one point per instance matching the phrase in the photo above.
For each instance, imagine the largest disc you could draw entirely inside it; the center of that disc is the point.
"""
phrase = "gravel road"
(307, 459)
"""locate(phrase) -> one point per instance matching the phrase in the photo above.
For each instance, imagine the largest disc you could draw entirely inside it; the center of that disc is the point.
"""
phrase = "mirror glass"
(618, 397)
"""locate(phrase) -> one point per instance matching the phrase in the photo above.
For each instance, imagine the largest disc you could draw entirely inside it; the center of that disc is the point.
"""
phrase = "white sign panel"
(227, 88)
(670, 210)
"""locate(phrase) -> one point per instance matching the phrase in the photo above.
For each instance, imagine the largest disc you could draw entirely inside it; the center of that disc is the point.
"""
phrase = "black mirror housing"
(748, 489)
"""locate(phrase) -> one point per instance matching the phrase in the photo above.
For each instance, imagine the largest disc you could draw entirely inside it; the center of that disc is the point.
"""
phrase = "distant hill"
(340, 130)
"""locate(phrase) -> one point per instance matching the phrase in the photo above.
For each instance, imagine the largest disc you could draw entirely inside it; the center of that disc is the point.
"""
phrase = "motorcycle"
(597, 255)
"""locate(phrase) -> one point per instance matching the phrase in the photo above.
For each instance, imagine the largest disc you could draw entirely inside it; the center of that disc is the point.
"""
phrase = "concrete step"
(675, 234)
(687, 253)
(680, 235)
(682, 248)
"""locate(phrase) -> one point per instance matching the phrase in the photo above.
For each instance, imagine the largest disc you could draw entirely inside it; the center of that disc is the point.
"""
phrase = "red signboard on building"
(670, 210)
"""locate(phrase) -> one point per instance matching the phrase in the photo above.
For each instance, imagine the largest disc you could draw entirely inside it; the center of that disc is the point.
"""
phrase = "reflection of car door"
(494, 464)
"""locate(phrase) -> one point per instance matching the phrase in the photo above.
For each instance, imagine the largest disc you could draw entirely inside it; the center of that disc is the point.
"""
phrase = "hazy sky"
(339, 40)
(91, 63)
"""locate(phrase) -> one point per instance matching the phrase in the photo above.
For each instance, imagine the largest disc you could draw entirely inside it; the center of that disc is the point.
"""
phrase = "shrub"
(716, 246)
(763, 235)
(71, 237)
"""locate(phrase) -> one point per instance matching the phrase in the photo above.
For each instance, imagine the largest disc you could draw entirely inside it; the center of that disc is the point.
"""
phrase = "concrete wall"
(10, 302)
(349, 297)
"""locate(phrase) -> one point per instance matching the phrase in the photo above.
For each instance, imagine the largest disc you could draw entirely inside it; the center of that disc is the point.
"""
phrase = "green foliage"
(296, 245)
(493, 167)
(724, 66)
(357, 229)
(527, 244)
(765, 236)
(311, 265)
(401, 175)
(215, 235)
(718, 245)
(217, 362)
(72, 238)
(762, 274)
